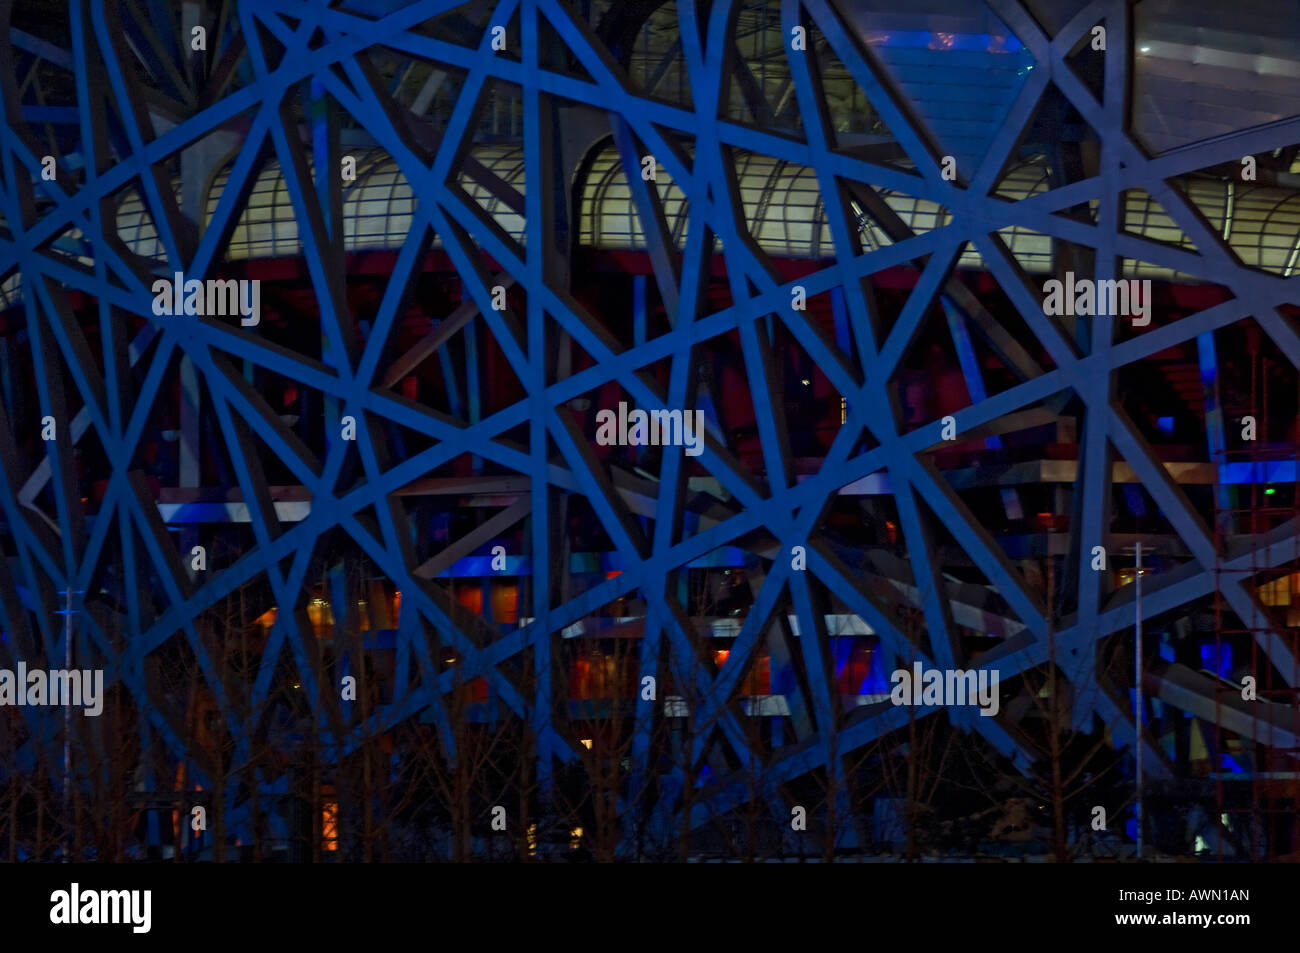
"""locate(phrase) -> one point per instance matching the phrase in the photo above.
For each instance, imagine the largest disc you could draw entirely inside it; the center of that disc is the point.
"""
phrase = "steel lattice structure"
(308, 60)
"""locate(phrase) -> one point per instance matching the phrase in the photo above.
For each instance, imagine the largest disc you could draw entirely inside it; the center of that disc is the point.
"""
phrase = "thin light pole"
(1137, 704)
(67, 727)
(67, 612)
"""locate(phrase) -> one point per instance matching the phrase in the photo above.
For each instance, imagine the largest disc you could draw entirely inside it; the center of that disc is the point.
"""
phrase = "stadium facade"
(365, 583)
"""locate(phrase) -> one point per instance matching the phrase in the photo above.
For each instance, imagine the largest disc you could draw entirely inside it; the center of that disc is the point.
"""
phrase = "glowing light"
(329, 825)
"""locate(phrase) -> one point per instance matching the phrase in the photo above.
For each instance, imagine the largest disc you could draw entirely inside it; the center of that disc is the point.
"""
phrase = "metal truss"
(297, 57)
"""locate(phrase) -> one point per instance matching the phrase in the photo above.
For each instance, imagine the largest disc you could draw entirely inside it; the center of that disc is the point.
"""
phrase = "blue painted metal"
(858, 361)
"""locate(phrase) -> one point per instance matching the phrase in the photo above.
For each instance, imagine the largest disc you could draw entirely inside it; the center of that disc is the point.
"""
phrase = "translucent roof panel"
(136, 228)
(377, 207)
(607, 218)
(781, 201)
(267, 227)
(507, 164)
(1265, 228)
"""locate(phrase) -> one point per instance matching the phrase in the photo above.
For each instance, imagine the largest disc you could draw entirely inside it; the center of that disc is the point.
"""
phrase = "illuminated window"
(320, 615)
(329, 826)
